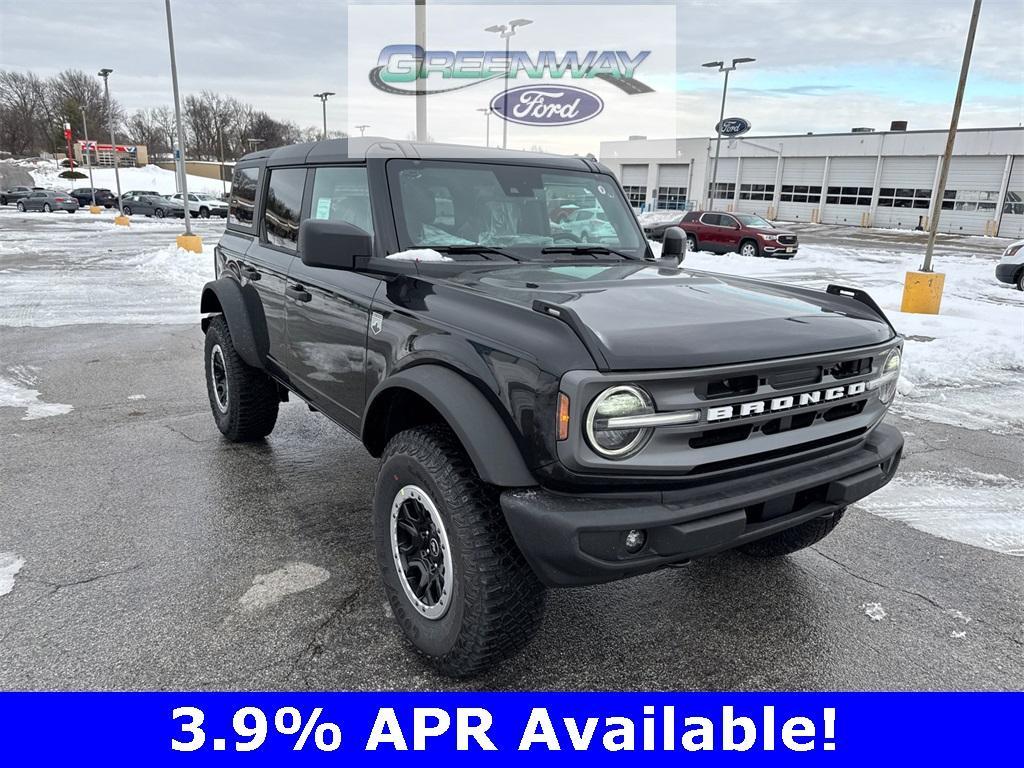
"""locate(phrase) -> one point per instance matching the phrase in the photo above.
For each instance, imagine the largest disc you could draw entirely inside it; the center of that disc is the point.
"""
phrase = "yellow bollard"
(95, 209)
(922, 292)
(122, 221)
(192, 243)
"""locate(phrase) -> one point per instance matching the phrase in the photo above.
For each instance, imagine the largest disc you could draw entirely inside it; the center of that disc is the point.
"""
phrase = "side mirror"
(332, 244)
(674, 244)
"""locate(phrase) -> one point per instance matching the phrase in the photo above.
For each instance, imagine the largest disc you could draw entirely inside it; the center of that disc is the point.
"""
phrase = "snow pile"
(10, 564)
(418, 254)
(47, 174)
(16, 392)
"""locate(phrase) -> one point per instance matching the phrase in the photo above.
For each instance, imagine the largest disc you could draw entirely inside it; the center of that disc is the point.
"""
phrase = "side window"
(284, 203)
(711, 219)
(243, 196)
(728, 221)
(342, 194)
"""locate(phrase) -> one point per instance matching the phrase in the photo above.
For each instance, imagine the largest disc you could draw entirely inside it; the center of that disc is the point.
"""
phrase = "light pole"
(362, 129)
(188, 241)
(220, 141)
(323, 96)
(88, 160)
(487, 114)
(721, 116)
(922, 291)
(506, 31)
(120, 219)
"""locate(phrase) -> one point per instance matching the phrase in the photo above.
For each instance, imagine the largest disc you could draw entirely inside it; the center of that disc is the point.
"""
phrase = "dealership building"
(863, 178)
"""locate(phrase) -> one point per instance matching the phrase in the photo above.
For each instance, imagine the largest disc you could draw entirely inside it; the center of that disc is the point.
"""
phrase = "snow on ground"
(46, 173)
(16, 391)
(972, 507)
(957, 365)
(10, 564)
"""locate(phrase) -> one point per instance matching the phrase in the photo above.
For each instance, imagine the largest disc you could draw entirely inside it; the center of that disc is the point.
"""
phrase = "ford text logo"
(547, 105)
(733, 126)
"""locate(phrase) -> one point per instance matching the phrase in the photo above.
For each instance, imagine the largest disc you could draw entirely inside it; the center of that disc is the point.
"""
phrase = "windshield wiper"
(588, 250)
(481, 249)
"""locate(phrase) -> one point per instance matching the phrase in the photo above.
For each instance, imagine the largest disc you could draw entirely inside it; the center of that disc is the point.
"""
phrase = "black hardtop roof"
(342, 150)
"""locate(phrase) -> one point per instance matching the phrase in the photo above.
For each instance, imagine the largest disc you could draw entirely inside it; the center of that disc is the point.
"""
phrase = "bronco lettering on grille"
(784, 403)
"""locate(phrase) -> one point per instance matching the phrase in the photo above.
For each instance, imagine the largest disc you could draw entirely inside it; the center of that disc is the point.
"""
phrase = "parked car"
(204, 206)
(588, 224)
(151, 205)
(47, 200)
(546, 414)
(744, 233)
(104, 197)
(1010, 268)
(14, 193)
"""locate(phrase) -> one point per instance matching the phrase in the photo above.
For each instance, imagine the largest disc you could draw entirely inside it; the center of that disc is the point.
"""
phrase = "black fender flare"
(474, 419)
(243, 311)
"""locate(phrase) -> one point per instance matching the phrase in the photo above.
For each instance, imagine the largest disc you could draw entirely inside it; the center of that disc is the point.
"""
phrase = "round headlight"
(889, 377)
(617, 442)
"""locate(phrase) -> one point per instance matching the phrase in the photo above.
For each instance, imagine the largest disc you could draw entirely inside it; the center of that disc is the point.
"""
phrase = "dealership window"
(722, 190)
(636, 195)
(849, 195)
(1014, 202)
(671, 198)
(798, 193)
(757, 191)
(897, 197)
(284, 202)
(244, 182)
(969, 200)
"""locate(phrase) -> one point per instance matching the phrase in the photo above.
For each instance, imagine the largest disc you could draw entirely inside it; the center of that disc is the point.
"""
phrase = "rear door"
(267, 261)
(328, 310)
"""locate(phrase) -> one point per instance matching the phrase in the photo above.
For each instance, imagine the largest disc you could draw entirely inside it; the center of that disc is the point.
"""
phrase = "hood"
(642, 316)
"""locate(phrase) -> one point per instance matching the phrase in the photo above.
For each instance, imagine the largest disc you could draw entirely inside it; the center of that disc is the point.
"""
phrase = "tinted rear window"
(284, 202)
(243, 196)
(692, 216)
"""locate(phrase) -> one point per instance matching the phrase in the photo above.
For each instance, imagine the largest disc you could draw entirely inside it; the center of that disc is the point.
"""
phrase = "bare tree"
(23, 112)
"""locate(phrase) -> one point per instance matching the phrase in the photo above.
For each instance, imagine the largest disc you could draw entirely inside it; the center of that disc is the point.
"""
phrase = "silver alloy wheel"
(691, 243)
(219, 378)
(47, 208)
(422, 554)
(748, 249)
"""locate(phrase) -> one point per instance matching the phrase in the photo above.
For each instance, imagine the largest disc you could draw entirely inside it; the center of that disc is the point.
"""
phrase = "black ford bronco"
(549, 409)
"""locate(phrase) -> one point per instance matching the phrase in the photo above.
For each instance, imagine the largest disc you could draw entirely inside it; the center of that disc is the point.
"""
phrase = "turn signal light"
(563, 416)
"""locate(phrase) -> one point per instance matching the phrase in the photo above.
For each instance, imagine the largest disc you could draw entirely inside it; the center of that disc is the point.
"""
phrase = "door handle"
(251, 273)
(298, 293)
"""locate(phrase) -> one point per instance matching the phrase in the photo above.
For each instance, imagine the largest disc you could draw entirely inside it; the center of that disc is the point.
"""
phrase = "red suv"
(744, 233)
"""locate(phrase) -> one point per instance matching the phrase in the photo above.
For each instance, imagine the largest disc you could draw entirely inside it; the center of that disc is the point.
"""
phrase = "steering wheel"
(563, 235)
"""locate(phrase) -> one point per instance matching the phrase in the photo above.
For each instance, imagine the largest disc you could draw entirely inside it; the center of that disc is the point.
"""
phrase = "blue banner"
(485, 728)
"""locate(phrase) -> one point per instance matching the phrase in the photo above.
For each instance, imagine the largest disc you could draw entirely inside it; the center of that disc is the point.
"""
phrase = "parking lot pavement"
(158, 556)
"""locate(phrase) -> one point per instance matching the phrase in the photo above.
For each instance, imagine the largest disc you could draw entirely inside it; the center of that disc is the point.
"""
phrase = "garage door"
(634, 184)
(673, 179)
(1012, 224)
(757, 184)
(801, 187)
(905, 191)
(972, 193)
(726, 180)
(851, 181)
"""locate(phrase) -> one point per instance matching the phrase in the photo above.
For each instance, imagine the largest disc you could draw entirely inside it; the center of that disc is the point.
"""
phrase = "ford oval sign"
(547, 105)
(732, 126)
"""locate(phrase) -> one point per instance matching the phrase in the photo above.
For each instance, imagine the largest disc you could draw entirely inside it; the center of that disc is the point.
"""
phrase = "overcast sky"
(822, 65)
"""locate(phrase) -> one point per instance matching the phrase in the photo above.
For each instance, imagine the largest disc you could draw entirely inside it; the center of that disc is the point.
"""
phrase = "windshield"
(750, 220)
(517, 209)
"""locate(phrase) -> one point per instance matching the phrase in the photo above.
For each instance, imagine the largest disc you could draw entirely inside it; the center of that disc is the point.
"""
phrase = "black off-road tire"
(248, 409)
(496, 601)
(794, 539)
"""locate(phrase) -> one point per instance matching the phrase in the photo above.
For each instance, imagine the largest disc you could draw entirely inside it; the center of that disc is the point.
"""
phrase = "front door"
(329, 309)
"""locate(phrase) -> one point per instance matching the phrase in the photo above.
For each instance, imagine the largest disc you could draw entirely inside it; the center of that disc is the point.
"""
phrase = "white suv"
(204, 206)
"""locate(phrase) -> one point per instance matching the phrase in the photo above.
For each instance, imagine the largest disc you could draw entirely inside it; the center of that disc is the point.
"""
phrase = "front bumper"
(778, 249)
(575, 540)
(1007, 273)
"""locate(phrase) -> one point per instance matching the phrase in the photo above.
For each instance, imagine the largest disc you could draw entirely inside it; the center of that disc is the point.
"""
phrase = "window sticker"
(323, 208)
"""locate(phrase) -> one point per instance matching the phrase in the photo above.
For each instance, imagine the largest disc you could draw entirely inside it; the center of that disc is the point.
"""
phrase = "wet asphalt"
(141, 529)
